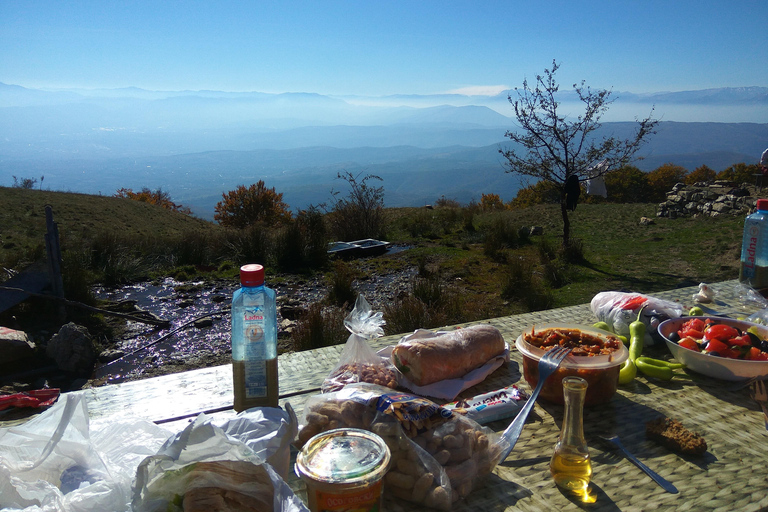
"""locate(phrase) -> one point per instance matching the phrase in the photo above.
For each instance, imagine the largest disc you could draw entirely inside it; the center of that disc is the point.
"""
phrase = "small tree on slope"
(566, 151)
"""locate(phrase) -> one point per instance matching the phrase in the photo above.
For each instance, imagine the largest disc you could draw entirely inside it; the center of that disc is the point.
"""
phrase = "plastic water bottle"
(254, 341)
(754, 248)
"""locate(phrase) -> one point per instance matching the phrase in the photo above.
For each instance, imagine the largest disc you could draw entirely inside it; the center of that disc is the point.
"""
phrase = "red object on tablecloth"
(35, 398)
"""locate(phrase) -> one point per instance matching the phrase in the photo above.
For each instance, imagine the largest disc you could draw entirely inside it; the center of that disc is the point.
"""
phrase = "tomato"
(717, 346)
(721, 332)
(753, 353)
(741, 341)
(690, 344)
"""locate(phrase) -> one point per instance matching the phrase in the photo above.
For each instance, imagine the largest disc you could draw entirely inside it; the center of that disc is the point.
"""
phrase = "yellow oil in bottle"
(570, 465)
(572, 471)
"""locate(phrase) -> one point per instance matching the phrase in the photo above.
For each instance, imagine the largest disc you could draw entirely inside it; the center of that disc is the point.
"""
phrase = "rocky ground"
(135, 352)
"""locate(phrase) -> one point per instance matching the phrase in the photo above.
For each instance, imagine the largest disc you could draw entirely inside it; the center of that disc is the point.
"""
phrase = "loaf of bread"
(425, 357)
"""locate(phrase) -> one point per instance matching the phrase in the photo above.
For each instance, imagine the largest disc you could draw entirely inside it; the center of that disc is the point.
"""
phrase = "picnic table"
(730, 476)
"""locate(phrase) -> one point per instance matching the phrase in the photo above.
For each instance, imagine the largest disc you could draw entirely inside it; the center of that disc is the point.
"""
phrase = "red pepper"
(35, 398)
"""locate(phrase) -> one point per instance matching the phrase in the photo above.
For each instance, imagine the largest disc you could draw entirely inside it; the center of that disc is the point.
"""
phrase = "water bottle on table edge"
(254, 341)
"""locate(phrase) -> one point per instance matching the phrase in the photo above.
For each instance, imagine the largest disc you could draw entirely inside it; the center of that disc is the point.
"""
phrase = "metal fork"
(547, 366)
(760, 395)
(663, 482)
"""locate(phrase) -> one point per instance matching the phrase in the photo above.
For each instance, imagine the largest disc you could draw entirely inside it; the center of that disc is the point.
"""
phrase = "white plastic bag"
(358, 362)
(59, 462)
(255, 436)
(619, 309)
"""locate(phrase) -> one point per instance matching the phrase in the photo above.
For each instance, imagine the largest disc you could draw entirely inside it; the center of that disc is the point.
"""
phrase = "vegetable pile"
(718, 339)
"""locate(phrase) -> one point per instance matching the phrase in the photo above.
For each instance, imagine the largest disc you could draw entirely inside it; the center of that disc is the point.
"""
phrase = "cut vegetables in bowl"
(718, 347)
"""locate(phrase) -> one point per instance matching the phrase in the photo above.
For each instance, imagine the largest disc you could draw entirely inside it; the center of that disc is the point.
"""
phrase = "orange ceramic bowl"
(600, 371)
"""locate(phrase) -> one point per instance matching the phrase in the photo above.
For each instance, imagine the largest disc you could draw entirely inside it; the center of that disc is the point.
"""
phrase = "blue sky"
(382, 48)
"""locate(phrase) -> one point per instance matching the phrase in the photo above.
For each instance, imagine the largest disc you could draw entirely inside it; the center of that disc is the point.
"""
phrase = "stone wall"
(710, 199)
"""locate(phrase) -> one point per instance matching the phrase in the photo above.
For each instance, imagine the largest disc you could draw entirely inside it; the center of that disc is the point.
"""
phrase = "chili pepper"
(636, 337)
(628, 372)
(651, 370)
(602, 325)
(661, 362)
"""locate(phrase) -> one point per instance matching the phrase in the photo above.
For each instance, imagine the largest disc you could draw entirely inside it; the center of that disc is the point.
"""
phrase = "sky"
(382, 48)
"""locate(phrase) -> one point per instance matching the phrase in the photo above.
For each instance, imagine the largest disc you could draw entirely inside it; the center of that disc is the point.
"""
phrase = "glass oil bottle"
(571, 466)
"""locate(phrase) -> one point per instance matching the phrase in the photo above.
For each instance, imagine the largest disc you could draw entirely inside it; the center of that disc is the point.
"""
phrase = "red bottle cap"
(762, 204)
(252, 275)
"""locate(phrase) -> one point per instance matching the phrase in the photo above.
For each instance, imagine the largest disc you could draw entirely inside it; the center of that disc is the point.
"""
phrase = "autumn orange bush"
(157, 197)
(246, 206)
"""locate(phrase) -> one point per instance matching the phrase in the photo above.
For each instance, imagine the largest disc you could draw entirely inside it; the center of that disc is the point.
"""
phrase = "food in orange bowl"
(596, 357)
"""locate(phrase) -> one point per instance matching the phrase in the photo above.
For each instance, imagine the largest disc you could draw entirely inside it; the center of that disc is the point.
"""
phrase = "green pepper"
(623, 339)
(602, 325)
(696, 311)
(652, 370)
(636, 337)
(661, 362)
(628, 372)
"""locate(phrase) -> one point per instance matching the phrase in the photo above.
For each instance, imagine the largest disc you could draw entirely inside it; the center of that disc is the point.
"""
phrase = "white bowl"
(713, 366)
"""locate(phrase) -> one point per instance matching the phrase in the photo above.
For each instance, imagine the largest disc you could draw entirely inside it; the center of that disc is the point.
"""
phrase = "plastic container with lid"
(343, 469)
(601, 372)
(754, 248)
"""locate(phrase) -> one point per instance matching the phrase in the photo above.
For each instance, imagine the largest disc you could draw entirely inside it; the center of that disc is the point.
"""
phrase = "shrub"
(662, 179)
(156, 197)
(542, 192)
(447, 203)
(406, 315)
(490, 202)
(341, 293)
(245, 207)
(739, 173)
(320, 327)
(360, 214)
(700, 174)
(521, 285)
(627, 185)
(499, 234)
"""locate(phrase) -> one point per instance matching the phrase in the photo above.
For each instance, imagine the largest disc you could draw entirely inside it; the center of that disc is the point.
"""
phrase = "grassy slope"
(620, 253)
(80, 216)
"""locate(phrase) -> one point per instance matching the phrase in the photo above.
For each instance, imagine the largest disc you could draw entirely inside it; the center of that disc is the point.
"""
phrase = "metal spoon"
(664, 483)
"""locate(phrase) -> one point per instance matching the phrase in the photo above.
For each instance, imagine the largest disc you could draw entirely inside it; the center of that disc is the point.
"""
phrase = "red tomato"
(720, 332)
(753, 354)
(718, 346)
(741, 341)
(762, 356)
(690, 344)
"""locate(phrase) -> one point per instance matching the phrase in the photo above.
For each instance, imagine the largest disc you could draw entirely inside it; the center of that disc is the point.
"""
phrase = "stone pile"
(710, 199)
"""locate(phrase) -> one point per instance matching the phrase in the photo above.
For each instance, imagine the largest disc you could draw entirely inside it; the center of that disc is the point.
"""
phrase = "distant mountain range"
(198, 144)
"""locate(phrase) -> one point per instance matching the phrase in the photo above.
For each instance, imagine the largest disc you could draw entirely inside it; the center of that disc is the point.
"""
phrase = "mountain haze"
(197, 145)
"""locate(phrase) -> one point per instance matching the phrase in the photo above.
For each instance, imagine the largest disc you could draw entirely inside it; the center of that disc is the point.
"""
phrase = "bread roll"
(425, 359)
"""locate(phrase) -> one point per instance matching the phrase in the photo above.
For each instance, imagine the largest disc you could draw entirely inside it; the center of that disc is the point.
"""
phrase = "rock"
(706, 199)
(109, 355)
(203, 322)
(645, 221)
(536, 230)
(15, 345)
(72, 349)
(185, 303)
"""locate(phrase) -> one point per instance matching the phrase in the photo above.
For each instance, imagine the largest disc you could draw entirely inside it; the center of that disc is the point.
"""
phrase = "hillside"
(80, 217)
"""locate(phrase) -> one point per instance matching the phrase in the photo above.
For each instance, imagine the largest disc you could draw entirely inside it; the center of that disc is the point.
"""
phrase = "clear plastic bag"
(228, 460)
(619, 309)
(60, 461)
(358, 362)
(437, 456)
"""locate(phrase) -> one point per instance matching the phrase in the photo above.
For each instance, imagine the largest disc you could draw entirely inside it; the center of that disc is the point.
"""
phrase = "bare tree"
(562, 150)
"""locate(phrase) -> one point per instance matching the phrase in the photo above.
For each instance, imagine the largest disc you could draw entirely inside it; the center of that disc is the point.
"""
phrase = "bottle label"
(749, 256)
(255, 353)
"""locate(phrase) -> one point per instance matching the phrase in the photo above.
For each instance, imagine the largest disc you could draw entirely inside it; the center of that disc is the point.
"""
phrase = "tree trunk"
(566, 223)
